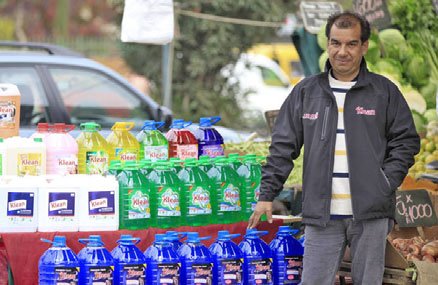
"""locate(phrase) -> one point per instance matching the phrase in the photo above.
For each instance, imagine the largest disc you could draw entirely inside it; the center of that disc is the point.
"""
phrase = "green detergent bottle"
(153, 144)
(235, 160)
(198, 194)
(169, 212)
(228, 189)
(205, 163)
(136, 202)
(115, 167)
(251, 172)
(146, 167)
(176, 163)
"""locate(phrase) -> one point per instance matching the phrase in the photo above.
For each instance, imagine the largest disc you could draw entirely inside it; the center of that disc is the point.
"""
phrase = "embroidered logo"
(362, 111)
(310, 116)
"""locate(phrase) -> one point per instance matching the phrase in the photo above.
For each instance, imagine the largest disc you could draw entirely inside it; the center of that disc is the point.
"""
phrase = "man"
(359, 142)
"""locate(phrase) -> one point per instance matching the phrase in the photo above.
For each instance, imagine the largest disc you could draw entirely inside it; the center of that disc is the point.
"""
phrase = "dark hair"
(347, 20)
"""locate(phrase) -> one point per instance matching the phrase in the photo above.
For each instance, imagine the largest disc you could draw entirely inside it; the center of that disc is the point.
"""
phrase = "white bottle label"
(187, 151)
(155, 153)
(67, 164)
(20, 207)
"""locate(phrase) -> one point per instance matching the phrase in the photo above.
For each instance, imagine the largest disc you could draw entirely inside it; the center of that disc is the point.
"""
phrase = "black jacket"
(380, 136)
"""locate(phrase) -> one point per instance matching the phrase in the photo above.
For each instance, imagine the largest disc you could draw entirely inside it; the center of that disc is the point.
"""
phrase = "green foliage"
(201, 49)
(7, 29)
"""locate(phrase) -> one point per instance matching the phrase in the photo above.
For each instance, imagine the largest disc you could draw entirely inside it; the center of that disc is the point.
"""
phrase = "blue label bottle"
(210, 141)
(163, 263)
(288, 257)
(58, 265)
(227, 260)
(97, 264)
(257, 268)
(129, 262)
(196, 260)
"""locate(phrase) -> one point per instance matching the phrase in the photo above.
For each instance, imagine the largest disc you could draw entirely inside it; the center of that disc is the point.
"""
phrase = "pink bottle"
(62, 150)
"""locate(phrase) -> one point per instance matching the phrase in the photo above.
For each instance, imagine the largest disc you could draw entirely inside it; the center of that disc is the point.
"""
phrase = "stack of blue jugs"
(288, 256)
(257, 264)
(129, 262)
(96, 262)
(196, 260)
(59, 264)
(163, 263)
(227, 260)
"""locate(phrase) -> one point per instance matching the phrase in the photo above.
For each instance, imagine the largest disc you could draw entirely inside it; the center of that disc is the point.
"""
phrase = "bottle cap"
(90, 127)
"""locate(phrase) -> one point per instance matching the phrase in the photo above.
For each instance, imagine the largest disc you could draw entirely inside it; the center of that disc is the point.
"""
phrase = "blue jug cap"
(287, 230)
(208, 121)
(194, 237)
(225, 235)
(58, 241)
(254, 233)
(128, 239)
(160, 238)
(174, 235)
(180, 124)
(92, 240)
(152, 125)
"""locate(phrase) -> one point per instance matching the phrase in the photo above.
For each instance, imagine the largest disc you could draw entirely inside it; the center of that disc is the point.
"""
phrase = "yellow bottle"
(93, 150)
(123, 145)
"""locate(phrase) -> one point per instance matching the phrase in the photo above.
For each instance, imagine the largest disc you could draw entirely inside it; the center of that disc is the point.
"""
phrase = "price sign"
(315, 14)
(414, 209)
(375, 11)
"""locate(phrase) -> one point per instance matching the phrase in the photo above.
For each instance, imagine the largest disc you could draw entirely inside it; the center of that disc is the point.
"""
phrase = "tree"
(202, 49)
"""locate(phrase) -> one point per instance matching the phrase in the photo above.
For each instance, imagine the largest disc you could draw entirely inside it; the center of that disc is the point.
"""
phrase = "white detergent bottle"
(19, 203)
(25, 156)
(58, 203)
(99, 203)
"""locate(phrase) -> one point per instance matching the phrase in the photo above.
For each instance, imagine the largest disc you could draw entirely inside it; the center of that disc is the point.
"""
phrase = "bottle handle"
(134, 240)
(215, 119)
(69, 128)
(231, 236)
(159, 124)
(205, 238)
(46, 240)
(85, 241)
(186, 124)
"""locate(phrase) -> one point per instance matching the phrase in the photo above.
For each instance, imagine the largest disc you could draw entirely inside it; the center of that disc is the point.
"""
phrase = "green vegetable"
(393, 43)
(417, 70)
(430, 115)
(373, 54)
(389, 66)
(322, 38)
(414, 99)
(429, 93)
(322, 60)
(419, 121)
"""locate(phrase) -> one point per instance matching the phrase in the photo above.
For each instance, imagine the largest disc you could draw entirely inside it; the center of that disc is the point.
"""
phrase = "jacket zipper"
(324, 122)
(346, 150)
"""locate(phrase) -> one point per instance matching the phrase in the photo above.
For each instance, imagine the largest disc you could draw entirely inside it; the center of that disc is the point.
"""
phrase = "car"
(60, 85)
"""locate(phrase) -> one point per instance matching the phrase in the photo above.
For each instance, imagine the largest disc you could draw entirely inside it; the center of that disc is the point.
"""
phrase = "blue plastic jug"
(163, 263)
(227, 260)
(196, 260)
(97, 264)
(175, 237)
(288, 256)
(257, 267)
(129, 262)
(58, 265)
(210, 141)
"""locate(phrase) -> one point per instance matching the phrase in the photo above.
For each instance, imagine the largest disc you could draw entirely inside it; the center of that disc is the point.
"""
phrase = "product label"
(230, 198)
(29, 164)
(261, 270)
(66, 275)
(294, 268)
(139, 207)
(61, 204)
(101, 205)
(133, 274)
(255, 188)
(126, 154)
(187, 151)
(7, 114)
(199, 203)
(155, 153)
(212, 150)
(67, 164)
(96, 162)
(168, 274)
(168, 203)
(230, 272)
(20, 205)
(101, 275)
(202, 273)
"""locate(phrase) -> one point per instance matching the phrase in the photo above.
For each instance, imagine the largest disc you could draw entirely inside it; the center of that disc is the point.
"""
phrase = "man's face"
(345, 51)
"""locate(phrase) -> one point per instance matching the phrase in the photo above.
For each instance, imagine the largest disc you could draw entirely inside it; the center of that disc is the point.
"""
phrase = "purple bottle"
(210, 141)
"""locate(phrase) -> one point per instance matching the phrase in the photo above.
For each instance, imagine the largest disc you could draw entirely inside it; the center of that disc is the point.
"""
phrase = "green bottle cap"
(115, 164)
(38, 140)
(1, 140)
(131, 165)
(191, 162)
(90, 127)
(233, 155)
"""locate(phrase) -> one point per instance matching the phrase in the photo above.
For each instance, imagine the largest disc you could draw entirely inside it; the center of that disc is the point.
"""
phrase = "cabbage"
(322, 38)
(393, 43)
(430, 115)
(392, 78)
(419, 122)
(414, 99)
(429, 93)
(417, 70)
(389, 66)
(322, 60)
(373, 54)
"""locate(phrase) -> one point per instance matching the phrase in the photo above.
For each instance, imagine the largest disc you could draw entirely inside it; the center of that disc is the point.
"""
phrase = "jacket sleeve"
(403, 142)
(287, 139)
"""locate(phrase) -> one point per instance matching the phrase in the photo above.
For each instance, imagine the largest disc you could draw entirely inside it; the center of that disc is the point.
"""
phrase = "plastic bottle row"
(190, 192)
(169, 261)
(52, 150)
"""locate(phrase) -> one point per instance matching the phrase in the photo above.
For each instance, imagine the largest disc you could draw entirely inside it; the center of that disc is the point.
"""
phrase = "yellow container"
(9, 110)
(93, 150)
(123, 145)
(25, 156)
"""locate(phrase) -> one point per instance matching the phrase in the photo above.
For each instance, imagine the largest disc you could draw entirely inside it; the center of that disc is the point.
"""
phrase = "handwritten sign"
(375, 11)
(315, 14)
(414, 209)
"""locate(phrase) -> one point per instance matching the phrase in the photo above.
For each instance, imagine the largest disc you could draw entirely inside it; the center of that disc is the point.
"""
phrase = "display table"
(23, 250)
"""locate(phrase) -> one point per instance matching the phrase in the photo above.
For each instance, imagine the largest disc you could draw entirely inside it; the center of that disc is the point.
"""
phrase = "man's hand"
(260, 209)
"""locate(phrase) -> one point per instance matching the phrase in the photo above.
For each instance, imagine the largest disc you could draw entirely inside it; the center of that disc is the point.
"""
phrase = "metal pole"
(167, 71)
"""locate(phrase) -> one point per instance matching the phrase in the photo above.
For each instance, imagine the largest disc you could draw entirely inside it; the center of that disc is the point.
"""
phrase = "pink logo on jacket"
(362, 111)
(310, 116)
